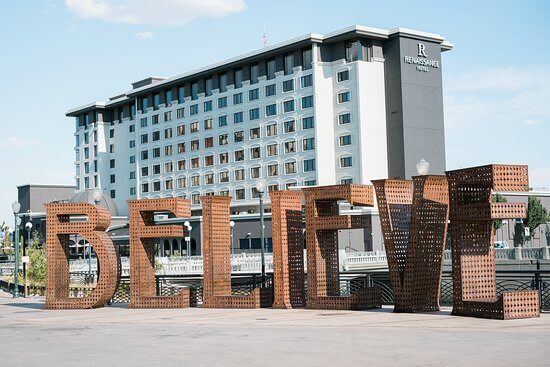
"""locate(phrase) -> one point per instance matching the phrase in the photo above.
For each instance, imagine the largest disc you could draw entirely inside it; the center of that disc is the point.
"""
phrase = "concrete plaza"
(266, 337)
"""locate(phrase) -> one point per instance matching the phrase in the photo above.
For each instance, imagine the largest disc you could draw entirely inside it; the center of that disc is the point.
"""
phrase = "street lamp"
(188, 238)
(28, 227)
(232, 225)
(96, 196)
(260, 187)
(423, 167)
(15, 207)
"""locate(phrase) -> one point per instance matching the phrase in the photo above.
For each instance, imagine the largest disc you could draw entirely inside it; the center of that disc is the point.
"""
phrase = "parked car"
(501, 244)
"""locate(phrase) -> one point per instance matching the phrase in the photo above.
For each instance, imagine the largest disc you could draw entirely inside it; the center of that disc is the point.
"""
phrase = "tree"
(536, 215)
(498, 198)
(37, 257)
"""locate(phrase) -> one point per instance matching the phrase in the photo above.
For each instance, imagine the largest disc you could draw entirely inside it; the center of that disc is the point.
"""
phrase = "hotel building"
(346, 107)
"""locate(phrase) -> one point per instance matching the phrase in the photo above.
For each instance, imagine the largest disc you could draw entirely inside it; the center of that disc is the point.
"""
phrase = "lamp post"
(232, 225)
(187, 238)
(260, 187)
(15, 208)
(423, 167)
(28, 227)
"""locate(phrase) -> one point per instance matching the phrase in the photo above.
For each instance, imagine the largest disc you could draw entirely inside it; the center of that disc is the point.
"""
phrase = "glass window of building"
(343, 97)
(346, 181)
(167, 116)
(86, 167)
(307, 58)
(343, 75)
(132, 190)
(255, 133)
(208, 87)
(195, 162)
(290, 167)
(288, 85)
(239, 194)
(352, 51)
(310, 182)
(193, 109)
(307, 102)
(288, 106)
(181, 165)
(255, 193)
(273, 187)
(273, 169)
(253, 94)
(144, 104)
(289, 63)
(345, 140)
(239, 155)
(254, 172)
(309, 165)
(272, 149)
(222, 121)
(308, 143)
(208, 123)
(168, 150)
(307, 123)
(144, 138)
(168, 133)
(222, 102)
(181, 130)
(181, 147)
(254, 114)
(156, 100)
(306, 81)
(224, 158)
(239, 174)
(181, 94)
(238, 136)
(271, 129)
(154, 119)
(209, 179)
(271, 109)
(224, 176)
(86, 182)
(195, 145)
(112, 163)
(254, 73)
(168, 97)
(132, 128)
(237, 98)
(194, 127)
(143, 122)
(255, 152)
(223, 83)
(238, 78)
(132, 159)
(86, 153)
(195, 198)
(270, 90)
(289, 126)
(180, 113)
(271, 66)
(194, 90)
(207, 106)
(181, 182)
(144, 155)
(169, 167)
(344, 118)
(209, 160)
(156, 186)
(195, 180)
(238, 117)
(290, 146)
(156, 135)
(345, 162)
(145, 187)
(223, 139)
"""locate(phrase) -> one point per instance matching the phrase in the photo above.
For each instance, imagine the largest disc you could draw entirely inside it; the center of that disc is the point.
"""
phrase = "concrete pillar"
(545, 253)
(517, 253)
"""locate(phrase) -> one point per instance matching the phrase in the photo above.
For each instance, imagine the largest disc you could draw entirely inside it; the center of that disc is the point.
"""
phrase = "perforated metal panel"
(216, 255)
(472, 212)
(58, 229)
(322, 224)
(288, 254)
(413, 216)
(143, 232)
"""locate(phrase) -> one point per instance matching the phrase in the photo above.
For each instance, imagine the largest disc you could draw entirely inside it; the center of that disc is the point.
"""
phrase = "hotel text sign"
(422, 62)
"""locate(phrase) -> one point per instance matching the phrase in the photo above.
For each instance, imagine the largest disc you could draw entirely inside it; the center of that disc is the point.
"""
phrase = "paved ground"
(201, 337)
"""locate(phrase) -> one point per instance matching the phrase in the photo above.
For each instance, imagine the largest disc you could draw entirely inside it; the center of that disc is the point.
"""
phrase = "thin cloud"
(144, 35)
(158, 13)
(16, 142)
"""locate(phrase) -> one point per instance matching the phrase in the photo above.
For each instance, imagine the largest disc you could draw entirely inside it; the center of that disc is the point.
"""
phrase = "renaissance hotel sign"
(422, 62)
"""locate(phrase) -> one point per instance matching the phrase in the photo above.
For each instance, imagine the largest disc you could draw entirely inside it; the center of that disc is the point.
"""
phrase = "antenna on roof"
(265, 36)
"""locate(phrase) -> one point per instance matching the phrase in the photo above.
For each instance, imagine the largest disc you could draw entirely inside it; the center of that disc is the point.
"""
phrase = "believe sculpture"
(413, 216)
(322, 224)
(59, 227)
(472, 212)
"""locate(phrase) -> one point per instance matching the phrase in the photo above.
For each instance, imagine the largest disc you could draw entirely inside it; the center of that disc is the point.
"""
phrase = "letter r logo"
(422, 50)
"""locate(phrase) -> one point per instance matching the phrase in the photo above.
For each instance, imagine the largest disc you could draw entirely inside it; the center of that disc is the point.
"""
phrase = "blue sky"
(56, 55)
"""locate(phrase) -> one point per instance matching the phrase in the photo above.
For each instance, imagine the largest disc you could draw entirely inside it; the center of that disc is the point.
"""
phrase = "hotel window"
(290, 147)
(144, 105)
(145, 171)
(168, 167)
(156, 100)
(290, 168)
(86, 138)
(345, 140)
(270, 90)
(194, 90)
(208, 86)
(143, 122)
(156, 186)
(112, 163)
(209, 142)
(308, 123)
(209, 179)
(271, 130)
(222, 102)
(154, 119)
(156, 135)
(168, 97)
(132, 128)
(180, 113)
(181, 182)
(207, 106)
(345, 162)
(306, 81)
(195, 198)
(168, 150)
(271, 110)
(223, 82)
(254, 114)
(307, 102)
(181, 148)
(344, 118)
(239, 174)
(346, 181)
(145, 187)
(310, 182)
(78, 168)
(194, 127)
(238, 136)
(274, 187)
(224, 192)
(342, 76)
(132, 190)
(253, 94)
(223, 139)
(208, 124)
(111, 134)
(168, 116)
(181, 94)
(168, 133)
(77, 140)
(288, 106)
(156, 152)
(271, 67)
(307, 58)
(289, 126)
(195, 162)
(309, 165)
(254, 172)
(156, 169)
(272, 150)
(352, 51)
(132, 143)
(86, 182)
(111, 148)
(113, 193)
(237, 98)
(289, 63)
(181, 130)
(86, 168)
(209, 160)
(288, 85)
(254, 73)
(238, 78)
(86, 153)
(195, 145)
(255, 193)
(255, 153)
(238, 117)
(195, 180)
(255, 133)
(169, 184)
(239, 194)
(193, 109)
(308, 143)
(95, 166)
(273, 170)
(95, 150)
(343, 97)
(224, 158)
(291, 184)
(132, 159)
(181, 165)
(224, 176)
(239, 155)
(222, 121)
